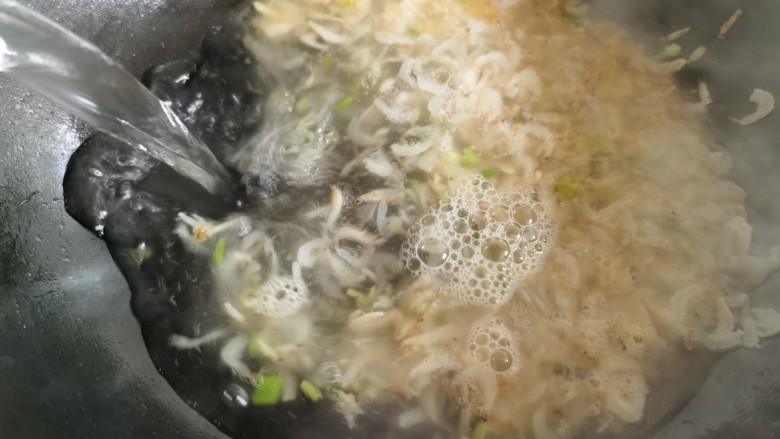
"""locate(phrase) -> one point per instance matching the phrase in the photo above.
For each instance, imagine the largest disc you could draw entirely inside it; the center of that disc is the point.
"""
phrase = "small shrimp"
(348, 406)
(372, 321)
(427, 339)
(196, 230)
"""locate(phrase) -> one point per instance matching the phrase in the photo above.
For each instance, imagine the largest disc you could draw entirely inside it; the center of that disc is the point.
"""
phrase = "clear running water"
(76, 75)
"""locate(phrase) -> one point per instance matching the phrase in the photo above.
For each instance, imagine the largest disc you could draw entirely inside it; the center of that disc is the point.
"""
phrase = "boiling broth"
(459, 218)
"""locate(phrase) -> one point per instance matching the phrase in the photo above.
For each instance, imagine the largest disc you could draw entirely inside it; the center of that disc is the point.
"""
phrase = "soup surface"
(502, 218)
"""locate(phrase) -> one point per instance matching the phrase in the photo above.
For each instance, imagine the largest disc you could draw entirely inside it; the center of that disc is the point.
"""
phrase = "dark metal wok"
(72, 360)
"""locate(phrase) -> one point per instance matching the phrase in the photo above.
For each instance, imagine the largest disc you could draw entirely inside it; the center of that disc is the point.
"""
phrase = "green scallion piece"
(253, 347)
(343, 103)
(481, 431)
(490, 172)
(267, 390)
(468, 157)
(219, 252)
(566, 188)
(673, 50)
(310, 390)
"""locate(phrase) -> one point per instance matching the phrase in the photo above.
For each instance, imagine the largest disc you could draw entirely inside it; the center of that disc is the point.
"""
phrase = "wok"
(72, 359)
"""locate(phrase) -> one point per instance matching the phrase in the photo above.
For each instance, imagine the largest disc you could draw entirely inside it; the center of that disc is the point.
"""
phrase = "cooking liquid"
(173, 291)
(177, 298)
(218, 103)
(75, 74)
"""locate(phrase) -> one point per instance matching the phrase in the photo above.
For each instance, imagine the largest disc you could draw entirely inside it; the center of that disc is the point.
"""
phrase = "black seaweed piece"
(128, 199)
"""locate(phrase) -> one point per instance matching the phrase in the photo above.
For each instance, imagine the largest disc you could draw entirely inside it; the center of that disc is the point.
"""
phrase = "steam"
(732, 68)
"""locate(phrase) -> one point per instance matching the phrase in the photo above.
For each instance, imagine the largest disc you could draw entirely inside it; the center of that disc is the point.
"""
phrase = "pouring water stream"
(75, 74)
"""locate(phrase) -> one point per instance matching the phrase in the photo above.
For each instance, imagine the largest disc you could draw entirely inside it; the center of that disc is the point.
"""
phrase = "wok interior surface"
(72, 360)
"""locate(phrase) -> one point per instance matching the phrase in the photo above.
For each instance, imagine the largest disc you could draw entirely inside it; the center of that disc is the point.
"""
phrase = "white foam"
(280, 297)
(491, 344)
(480, 243)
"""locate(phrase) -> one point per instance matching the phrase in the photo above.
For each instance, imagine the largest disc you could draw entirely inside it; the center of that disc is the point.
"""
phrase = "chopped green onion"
(219, 252)
(362, 301)
(413, 32)
(267, 390)
(572, 18)
(453, 157)
(303, 105)
(482, 431)
(310, 390)
(566, 187)
(343, 104)
(490, 172)
(673, 50)
(355, 387)
(254, 349)
(468, 157)
(395, 226)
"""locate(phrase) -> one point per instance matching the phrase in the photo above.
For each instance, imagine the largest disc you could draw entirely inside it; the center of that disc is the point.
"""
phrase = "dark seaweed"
(129, 199)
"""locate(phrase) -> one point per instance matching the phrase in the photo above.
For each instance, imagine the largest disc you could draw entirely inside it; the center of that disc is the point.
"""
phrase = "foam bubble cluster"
(491, 344)
(480, 243)
(280, 297)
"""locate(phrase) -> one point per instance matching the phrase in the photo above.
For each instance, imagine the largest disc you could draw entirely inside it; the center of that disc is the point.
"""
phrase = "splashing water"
(76, 75)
